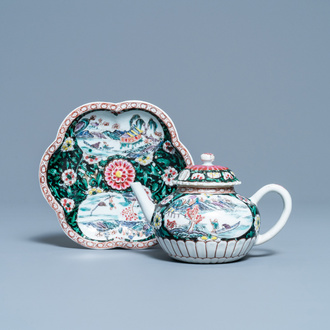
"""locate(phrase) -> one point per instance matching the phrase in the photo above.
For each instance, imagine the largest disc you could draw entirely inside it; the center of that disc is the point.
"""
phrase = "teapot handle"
(287, 206)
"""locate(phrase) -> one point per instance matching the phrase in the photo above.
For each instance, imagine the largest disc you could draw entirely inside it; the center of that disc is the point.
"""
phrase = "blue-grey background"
(246, 80)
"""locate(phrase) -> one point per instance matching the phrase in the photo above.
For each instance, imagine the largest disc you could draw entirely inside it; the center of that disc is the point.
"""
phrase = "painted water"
(222, 216)
(129, 134)
(109, 216)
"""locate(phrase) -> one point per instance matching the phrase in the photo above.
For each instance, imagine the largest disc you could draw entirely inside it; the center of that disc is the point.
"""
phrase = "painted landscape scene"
(204, 215)
(108, 216)
(129, 134)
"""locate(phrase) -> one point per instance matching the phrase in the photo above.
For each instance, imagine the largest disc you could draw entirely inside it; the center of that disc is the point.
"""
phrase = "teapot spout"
(147, 206)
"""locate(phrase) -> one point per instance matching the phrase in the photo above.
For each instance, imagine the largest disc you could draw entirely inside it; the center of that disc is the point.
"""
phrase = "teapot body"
(203, 225)
(205, 220)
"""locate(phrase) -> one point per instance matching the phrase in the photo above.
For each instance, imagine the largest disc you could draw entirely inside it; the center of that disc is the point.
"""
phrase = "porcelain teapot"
(205, 220)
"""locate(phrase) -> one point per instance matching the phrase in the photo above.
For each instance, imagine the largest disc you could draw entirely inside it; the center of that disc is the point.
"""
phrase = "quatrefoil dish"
(100, 149)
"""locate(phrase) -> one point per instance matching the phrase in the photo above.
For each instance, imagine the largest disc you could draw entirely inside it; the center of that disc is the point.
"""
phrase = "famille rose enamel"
(117, 175)
(100, 149)
(204, 220)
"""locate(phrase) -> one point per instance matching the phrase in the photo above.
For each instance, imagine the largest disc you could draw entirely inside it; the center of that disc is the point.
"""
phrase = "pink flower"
(119, 174)
(68, 204)
(167, 146)
(91, 159)
(69, 177)
(169, 175)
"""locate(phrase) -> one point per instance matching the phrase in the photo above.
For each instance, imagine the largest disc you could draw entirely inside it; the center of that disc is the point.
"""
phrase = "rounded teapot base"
(207, 252)
(206, 260)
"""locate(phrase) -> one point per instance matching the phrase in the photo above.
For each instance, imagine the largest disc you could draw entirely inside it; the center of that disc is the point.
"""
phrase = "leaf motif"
(154, 170)
(99, 178)
(69, 191)
(154, 186)
(145, 178)
(83, 166)
(104, 186)
(163, 233)
(89, 173)
(85, 183)
(164, 161)
(93, 183)
(163, 193)
(52, 171)
(253, 209)
(103, 163)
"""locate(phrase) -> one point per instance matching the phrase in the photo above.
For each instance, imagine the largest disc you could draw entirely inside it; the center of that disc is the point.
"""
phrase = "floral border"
(114, 107)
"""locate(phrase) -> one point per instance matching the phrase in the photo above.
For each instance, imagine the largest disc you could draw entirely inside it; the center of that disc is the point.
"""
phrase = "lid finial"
(207, 175)
(207, 158)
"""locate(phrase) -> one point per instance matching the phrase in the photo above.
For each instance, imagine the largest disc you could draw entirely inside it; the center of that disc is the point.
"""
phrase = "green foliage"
(152, 124)
(162, 232)
(139, 123)
(251, 233)
(92, 175)
(71, 219)
(134, 118)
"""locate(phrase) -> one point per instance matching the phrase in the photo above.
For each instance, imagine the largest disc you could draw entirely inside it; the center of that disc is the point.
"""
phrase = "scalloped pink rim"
(114, 107)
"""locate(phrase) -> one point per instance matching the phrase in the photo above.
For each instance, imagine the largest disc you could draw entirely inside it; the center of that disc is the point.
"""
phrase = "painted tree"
(137, 121)
(134, 119)
(129, 213)
(140, 123)
(152, 124)
(194, 217)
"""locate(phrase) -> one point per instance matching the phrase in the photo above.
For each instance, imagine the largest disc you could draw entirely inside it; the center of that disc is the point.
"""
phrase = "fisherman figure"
(215, 225)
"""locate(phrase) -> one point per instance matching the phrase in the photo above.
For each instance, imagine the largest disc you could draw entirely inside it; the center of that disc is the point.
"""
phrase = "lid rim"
(207, 175)
(206, 184)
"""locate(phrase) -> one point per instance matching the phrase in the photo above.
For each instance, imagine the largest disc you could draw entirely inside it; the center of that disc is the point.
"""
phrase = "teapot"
(205, 220)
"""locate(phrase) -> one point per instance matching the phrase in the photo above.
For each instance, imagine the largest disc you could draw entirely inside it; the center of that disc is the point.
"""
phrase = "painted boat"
(225, 228)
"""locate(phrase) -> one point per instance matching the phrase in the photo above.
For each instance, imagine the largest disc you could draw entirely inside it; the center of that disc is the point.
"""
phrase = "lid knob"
(207, 159)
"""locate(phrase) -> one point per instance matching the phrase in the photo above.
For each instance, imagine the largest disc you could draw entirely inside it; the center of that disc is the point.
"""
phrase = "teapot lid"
(207, 175)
